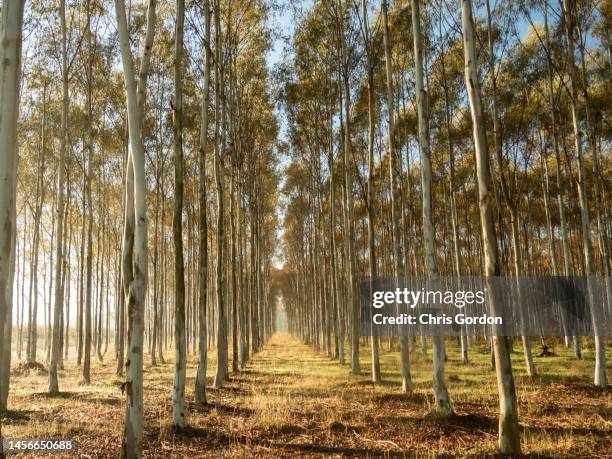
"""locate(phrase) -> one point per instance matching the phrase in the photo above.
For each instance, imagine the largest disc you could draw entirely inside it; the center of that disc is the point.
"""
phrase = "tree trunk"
(398, 266)
(11, 20)
(179, 415)
(512, 206)
(222, 358)
(59, 208)
(133, 387)
(200, 383)
(442, 406)
(509, 439)
(376, 377)
(452, 191)
(587, 245)
(33, 297)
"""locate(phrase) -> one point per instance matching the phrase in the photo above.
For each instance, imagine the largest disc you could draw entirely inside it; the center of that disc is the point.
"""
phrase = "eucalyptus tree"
(59, 208)
(135, 290)
(219, 165)
(510, 201)
(341, 15)
(443, 406)
(11, 23)
(179, 415)
(372, 263)
(509, 439)
(200, 382)
(398, 265)
(86, 308)
(600, 380)
(40, 198)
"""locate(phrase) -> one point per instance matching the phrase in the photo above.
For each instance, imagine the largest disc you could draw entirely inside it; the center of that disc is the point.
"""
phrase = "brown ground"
(292, 401)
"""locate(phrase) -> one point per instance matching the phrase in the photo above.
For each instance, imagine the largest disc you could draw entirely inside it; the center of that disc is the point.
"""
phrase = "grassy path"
(292, 401)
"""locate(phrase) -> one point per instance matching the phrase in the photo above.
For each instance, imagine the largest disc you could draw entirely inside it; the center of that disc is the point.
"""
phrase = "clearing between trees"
(290, 400)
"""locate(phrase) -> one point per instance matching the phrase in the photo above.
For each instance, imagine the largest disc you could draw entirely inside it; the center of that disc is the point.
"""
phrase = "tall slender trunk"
(200, 382)
(587, 245)
(567, 265)
(89, 256)
(442, 406)
(509, 438)
(452, 190)
(136, 290)
(512, 205)
(33, 297)
(100, 292)
(11, 20)
(221, 372)
(376, 377)
(348, 199)
(59, 219)
(398, 265)
(81, 274)
(179, 415)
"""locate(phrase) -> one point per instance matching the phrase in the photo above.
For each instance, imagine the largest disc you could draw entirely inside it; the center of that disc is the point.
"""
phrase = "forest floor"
(292, 401)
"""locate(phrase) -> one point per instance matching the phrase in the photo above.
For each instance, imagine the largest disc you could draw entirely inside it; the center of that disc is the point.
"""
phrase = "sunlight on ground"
(292, 400)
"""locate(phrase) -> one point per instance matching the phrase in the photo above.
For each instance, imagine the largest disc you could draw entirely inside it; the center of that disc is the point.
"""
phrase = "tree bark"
(222, 358)
(443, 406)
(509, 439)
(135, 300)
(587, 245)
(200, 383)
(11, 21)
(179, 415)
(59, 209)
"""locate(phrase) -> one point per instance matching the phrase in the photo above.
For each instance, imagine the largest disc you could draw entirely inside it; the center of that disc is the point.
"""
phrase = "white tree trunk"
(59, 209)
(509, 440)
(442, 406)
(398, 265)
(221, 371)
(132, 438)
(11, 20)
(589, 263)
(200, 383)
(179, 416)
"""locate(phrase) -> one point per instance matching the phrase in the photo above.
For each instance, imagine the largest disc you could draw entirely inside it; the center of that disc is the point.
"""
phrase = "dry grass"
(291, 401)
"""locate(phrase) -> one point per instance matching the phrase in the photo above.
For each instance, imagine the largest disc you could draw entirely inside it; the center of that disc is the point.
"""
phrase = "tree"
(600, 347)
(512, 205)
(222, 357)
(398, 266)
(179, 417)
(509, 441)
(59, 218)
(136, 290)
(11, 21)
(365, 30)
(200, 384)
(443, 406)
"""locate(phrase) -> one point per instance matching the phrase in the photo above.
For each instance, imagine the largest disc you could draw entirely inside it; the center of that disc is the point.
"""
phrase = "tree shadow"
(61, 394)
(473, 423)
(112, 401)
(17, 417)
(233, 389)
(413, 397)
(340, 450)
(383, 383)
(569, 431)
(86, 397)
(216, 440)
(231, 410)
